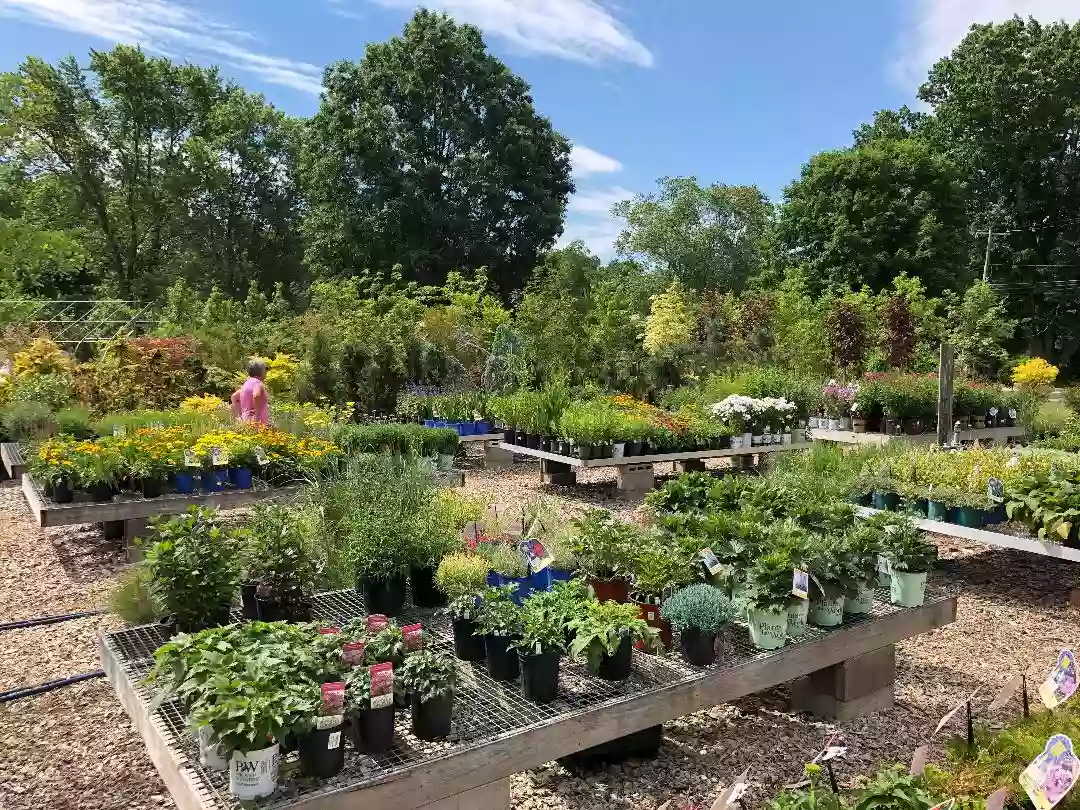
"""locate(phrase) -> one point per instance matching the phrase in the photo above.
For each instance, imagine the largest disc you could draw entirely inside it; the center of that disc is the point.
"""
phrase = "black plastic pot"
(62, 493)
(372, 730)
(545, 444)
(216, 619)
(539, 675)
(99, 493)
(698, 648)
(283, 610)
(502, 660)
(150, 487)
(249, 608)
(385, 596)
(631, 449)
(617, 667)
(521, 439)
(322, 752)
(584, 452)
(424, 592)
(533, 440)
(431, 719)
(467, 645)
(508, 435)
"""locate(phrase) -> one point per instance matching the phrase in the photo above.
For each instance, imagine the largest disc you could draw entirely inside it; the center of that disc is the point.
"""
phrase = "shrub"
(461, 575)
(74, 422)
(23, 421)
(698, 607)
(55, 391)
(1034, 373)
(133, 598)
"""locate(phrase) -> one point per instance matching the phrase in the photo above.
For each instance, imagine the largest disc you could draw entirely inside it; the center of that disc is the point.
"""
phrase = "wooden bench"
(495, 457)
(12, 456)
(840, 673)
(635, 475)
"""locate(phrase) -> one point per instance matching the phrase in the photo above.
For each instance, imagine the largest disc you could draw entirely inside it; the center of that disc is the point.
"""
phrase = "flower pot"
(757, 441)
(698, 648)
(539, 675)
(936, 510)
(62, 492)
(384, 596)
(467, 645)
(150, 487)
(920, 506)
(990, 420)
(886, 500)
(494, 579)
(860, 498)
(858, 425)
(372, 730)
(100, 493)
(214, 480)
(322, 752)
(798, 612)
(533, 440)
(736, 442)
(502, 660)
(283, 610)
(618, 450)
(211, 754)
(845, 423)
(521, 439)
(254, 774)
(907, 589)
(631, 449)
(481, 427)
(446, 461)
(509, 436)
(861, 604)
(617, 590)
(786, 438)
(617, 667)
(249, 608)
(969, 516)
(429, 423)
(723, 442)
(834, 424)
(524, 587)
(584, 451)
(891, 427)
(650, 614)
(913, 427)
(559, 575)
(431, 719)
(424, 592)
(540, 580)
(241, 477)
(768, 628)
(813, 421)
(826, 612)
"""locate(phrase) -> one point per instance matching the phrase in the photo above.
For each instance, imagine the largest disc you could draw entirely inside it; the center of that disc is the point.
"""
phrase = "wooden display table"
(851, 437)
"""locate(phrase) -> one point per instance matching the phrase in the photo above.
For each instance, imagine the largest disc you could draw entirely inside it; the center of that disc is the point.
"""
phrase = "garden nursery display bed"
(653, 458)
(496, 733)
(998, 434)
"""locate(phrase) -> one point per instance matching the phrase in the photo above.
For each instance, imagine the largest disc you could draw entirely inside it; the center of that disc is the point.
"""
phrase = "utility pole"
(990, 234)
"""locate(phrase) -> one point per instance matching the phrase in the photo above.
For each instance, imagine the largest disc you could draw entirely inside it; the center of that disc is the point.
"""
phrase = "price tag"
(1060, 685)
(1012, 413)
(800, 584)
(218, 457)
(538, 648)
(535, 554)
(382, 685)
(119, 430)
(996, 800)
(334, 741)
(260, 457)
(1052, 774)
(711, 561)
(995, 488)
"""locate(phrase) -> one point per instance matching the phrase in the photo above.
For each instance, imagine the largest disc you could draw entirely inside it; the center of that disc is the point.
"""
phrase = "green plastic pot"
(826, 612)
(768, 628)
(861, 604)
(797, 613)
(936, 510)
(908, 589)
(970, 517)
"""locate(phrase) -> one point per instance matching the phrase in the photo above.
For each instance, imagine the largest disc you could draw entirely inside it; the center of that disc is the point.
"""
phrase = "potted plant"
(320, 747)
(831, 579)
(460, 578)
(370, 717)
(506, 561)
(499, 621)
(447, 444)
(911, 556)
(658, 569)
(605, 634)
(698, 612)
(193, 565)
(563, 603)
(282, 565)
(378, 545)
(541, 643)
(862, 546)
(768, 593)
(431, 678)
(436, 537)
(243, 459)
(578, 425)
(52, 468)
(602, 547)
(96, 469)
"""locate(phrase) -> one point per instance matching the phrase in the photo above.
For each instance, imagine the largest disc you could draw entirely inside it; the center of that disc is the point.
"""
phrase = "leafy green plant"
(541, 627)
(862, 546)
(386, 645)
(461, 577)
(814, 797)
(603, 544)
(246, 715)
(1047, 501)
(602, 628)
(194, 566)
(498, 614)
(690, 492)
(698, 607)
(830, 568)
(657, 567)
(429, 675)
(768, 582)
(74, 421)
(906, 546)
(893, 789)
(564, 602)
(280, 557)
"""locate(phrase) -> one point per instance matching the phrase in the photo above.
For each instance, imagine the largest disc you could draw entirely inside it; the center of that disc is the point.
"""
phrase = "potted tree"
(194, 569)
(370, 717)
(698, 612)
(460, 578)
(658, 569)
(281, 564)
(499, 621)
(431, 679)
(604, 636)
(911, 556)
(541, 643)
(602, 547)
(768, 593)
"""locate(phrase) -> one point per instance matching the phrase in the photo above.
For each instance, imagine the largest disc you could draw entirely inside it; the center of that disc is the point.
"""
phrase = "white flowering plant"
(777, 413)
(745, 414)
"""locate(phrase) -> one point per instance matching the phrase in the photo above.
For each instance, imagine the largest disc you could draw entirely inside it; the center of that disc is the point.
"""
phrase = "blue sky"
(731, 92)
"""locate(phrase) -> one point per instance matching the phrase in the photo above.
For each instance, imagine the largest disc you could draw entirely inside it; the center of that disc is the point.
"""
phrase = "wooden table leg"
(850, 689)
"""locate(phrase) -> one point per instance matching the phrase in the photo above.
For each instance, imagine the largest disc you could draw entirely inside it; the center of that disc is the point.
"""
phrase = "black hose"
(23, 623)
(48, 686)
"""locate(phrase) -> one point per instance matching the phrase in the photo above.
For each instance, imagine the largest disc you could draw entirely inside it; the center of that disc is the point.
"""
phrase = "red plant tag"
(413, 636)
(333, 698)
(382, 685)
(376, 622)
(329, 631)
(352, 654)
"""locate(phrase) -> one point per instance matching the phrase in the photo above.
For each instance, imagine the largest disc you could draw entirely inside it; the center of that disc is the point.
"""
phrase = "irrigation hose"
(24, 623)
(48, 686)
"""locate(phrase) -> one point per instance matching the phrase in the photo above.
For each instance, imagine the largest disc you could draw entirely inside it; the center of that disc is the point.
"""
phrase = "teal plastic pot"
(969, 516)
(861, 604)
(936, 510)
(826, 612)
(860, 499)
(887, 500)
(797, 613)
(921, 505)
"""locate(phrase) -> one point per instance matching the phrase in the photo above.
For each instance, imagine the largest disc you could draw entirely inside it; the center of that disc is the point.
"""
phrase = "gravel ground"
(74, 748)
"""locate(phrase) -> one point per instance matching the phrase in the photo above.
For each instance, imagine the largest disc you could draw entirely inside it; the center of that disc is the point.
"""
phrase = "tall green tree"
(156, 169)
(429, 153)
(1006, 107)
(869, 213)
(707, 238)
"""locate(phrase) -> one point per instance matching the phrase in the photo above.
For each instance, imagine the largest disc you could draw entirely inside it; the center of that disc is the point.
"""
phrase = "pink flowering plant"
(837, 398)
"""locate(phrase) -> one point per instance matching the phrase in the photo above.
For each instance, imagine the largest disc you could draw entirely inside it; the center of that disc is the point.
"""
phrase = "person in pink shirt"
(251, 401)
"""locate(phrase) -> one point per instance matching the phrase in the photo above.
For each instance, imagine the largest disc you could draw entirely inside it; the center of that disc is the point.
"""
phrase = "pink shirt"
(248, 412)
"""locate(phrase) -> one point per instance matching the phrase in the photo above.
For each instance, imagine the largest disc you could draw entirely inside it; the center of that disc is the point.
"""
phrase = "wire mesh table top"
(485, 710)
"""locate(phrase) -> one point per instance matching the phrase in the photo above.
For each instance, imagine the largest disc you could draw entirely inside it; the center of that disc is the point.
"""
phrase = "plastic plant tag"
(711, 561)
(918, 761)
(189, 458)
(1006, 692)
(157, 425)
(800, 584)
(1061, 684)
(535, 554)
(333, 742)
(833, 751)
(333, 699)
(996, 800)
(260, 457)
(733, 792)
(953, 712)
(414, 637)
(883, 564)
(382, 685)
(1012, 413)
(329, 631)
(119, 430)
(993, 411)
(376, 622)
(948, 804)
(218, 457)
(352, 654)
(1052, 774)
(995, 488)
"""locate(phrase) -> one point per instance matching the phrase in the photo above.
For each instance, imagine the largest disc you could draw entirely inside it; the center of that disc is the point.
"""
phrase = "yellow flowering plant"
(53, 462)
(1035, 373)
(204, 404)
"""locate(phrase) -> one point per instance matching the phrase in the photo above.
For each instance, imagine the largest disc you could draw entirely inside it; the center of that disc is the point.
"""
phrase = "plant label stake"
(189, 458)
(1060, 685)
(918, 761)
(800, 584)
(733, 793)
(970, 729)
(996, 800)
(535, 554)
(995, 488)
(711, 561)
(1052, 774)
(382, 685)
(260, 457)
(1006, 692)
(953, 712)
(1027, 706)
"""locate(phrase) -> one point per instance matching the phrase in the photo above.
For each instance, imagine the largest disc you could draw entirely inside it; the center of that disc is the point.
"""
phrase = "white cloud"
(585, 161)
(580, 30)
(168, 28)
(599, 201)
(589, 219)
(937, 26)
